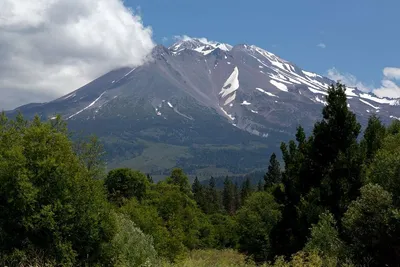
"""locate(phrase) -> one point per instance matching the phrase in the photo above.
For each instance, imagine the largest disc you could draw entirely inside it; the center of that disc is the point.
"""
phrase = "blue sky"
(357, 37)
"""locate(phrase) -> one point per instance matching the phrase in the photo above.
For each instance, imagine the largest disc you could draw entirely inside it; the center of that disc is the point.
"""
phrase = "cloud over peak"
(388, 87)
(51, 47)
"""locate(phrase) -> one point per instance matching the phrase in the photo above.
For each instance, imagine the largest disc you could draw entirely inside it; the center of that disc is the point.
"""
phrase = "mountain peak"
(201, 45)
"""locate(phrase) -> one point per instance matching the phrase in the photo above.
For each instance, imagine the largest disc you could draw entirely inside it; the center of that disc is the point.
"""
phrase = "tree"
(213, 198)
(228, 196)
(336, 161)
(256, 218)
(50, 201)
(260, 186)
(373, 137)
(325, 238)
(236, 197)
(385, 167)
(178, 177)
(124, 184)
(131, 246)
(273, 175)
(245, 191)
(150, 179)
(368, 224)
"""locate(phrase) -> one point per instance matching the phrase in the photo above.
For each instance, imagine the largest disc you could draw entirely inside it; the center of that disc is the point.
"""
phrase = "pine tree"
(336, 160)
(199, 194)
(273, 175)
(213, 198)
(150, 179)
(373, 137)
(260, 186)
(246, 190)
(237, 198)
(228, 196)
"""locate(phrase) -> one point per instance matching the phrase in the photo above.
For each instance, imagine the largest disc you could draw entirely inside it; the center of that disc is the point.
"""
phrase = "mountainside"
(208, 107)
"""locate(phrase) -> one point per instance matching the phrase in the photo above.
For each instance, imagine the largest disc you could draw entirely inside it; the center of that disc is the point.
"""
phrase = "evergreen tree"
(236, 195)
(150, 179)
(374, 135)
(246, 190)
(336, 158)
(273, 176)
(213, 198)
(199, 194)
(260, 186)
(228, 196)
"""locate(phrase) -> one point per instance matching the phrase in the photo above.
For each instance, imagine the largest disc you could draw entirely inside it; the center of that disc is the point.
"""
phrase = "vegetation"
(334, 202)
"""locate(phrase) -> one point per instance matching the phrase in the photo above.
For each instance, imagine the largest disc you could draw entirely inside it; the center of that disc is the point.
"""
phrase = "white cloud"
(321, 45)
(388, 87)
(347, 79)
(51, 47)
(392, 73)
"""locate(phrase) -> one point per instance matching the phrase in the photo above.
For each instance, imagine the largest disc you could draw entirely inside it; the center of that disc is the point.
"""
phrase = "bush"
(132, 246)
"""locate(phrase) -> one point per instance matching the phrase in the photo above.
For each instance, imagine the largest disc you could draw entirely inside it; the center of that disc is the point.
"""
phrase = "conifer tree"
(228, 197)
(374, 135)
(236, 195)
(273, 175)
(246, 190)
(260, 186)
(213, 198)
(335, 154)
(198, 191)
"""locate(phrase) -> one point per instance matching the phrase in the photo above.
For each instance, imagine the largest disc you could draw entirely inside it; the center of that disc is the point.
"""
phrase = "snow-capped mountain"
(204, 92)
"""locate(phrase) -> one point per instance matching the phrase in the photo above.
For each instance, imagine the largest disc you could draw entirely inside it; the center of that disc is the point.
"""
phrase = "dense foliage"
(334, 202)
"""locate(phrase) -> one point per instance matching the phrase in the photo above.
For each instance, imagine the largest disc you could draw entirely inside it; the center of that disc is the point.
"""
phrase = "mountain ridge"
(215, 105)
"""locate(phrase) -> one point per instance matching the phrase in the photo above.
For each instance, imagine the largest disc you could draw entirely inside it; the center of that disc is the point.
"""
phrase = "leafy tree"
(370, 223)
(225, 230)
(256, 218)
(385, 167)
(50, 203)
(325, 237)
(123, 184)
(131, 246)
(394, 128)
(178, 177)
(273, 176)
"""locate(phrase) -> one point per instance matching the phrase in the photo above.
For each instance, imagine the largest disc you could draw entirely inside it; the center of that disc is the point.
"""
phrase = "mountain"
(208, 107)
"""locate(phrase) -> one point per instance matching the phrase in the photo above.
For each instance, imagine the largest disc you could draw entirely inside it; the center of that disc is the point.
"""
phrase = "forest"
(332, 200)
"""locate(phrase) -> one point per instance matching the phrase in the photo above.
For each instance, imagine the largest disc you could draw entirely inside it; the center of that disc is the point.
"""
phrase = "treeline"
(334, 202)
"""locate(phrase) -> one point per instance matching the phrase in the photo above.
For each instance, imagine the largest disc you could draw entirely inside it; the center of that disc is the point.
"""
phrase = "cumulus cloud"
(321, 45)
(388, 87)
(348, 79)
(51, 47)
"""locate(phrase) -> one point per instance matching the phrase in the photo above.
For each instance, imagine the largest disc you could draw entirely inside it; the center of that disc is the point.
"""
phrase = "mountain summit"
(202, 104)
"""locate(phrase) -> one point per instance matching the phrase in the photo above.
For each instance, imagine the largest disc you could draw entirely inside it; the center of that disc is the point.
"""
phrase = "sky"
(46, 52)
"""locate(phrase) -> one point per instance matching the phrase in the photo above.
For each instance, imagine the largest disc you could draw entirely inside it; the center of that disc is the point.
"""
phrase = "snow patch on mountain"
(91, 104)
(369, 104)
(265, 92)
(231, 84)
(279, 85)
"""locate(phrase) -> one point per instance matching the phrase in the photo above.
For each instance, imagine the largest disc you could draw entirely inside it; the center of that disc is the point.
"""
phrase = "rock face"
(206, 106)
